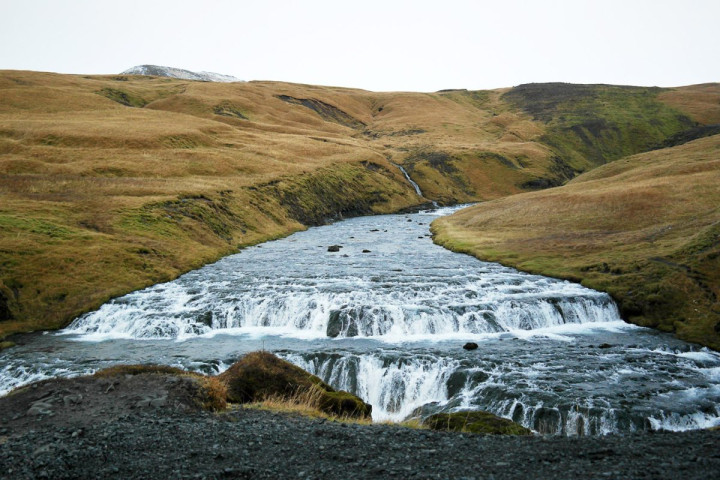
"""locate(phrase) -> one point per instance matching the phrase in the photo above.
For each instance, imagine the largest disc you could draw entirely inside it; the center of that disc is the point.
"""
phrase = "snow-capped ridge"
(160, 71)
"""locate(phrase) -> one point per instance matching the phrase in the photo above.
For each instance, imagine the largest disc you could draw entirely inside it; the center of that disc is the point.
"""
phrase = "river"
(386, 317)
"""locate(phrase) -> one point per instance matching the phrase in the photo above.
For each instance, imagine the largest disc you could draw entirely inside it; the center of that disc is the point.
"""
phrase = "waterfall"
(401, 386)
(404, 312)
(407, 176)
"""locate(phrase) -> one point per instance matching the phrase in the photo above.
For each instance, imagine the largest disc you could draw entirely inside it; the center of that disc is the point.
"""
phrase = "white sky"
(376, 45)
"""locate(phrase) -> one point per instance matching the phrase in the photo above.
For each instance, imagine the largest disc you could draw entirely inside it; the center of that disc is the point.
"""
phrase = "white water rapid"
(386, 318)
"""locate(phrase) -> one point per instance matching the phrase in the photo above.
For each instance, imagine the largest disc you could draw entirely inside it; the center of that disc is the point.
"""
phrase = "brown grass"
(646, 229)
(89, 187)
(113, 183)
(307, 404)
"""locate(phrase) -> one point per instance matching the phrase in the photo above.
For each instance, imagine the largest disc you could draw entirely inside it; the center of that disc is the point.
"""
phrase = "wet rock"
(338, 323)
(604, 345)
(205, 318)
(334, 248)
(366, 251)
(470, 346)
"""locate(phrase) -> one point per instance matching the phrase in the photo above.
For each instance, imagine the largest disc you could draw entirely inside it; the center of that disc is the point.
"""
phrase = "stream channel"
(386, 318)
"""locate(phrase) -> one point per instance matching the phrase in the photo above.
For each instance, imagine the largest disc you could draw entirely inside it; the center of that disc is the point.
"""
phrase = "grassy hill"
(646, 229)
(112, 183)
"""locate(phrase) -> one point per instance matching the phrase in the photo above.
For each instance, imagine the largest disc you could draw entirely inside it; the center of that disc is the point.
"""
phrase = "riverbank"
(109, 184)
(132, 422)
(250, 443)
(645, 229)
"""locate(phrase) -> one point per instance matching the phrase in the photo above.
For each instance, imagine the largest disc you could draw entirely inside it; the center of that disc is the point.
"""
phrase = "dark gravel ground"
(258, 444)
(124, 432)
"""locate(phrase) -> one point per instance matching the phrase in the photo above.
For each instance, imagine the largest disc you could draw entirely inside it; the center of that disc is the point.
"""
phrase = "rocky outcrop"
(261, 375)
(475, 422)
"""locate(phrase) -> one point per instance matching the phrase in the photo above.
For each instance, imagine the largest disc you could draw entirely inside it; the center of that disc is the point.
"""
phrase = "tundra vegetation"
(113, 183)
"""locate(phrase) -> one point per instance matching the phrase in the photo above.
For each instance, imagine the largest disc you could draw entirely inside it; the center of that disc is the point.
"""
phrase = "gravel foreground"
(249, 443)
(145, 427)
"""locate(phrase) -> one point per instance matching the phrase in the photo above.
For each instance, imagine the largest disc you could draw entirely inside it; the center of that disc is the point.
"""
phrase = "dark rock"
(5, 313)
(470, 346)
(206, 318)
(334, 248)
(261, 375)
(475, 422)
(366, 251)
(339, 323)
(604, 345)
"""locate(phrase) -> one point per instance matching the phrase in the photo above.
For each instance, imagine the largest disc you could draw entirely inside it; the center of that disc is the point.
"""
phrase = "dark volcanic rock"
(334, 248)
(470, 346)
(339, 323)
(98, 441)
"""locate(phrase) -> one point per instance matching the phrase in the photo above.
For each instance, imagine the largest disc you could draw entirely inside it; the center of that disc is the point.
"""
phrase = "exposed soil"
(329, 113)
(148, 426)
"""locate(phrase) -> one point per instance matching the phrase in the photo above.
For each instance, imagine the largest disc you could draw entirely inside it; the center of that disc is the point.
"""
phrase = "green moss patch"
(475, 422)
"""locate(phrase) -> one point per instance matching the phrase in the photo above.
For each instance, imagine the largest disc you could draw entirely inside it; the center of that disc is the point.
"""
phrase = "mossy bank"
(645, 229)
(112, 183)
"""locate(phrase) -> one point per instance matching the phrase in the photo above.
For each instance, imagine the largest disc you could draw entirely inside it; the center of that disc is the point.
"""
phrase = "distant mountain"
(159, 71)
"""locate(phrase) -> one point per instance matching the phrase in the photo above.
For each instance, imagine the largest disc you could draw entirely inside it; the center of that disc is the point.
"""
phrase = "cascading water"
(388, 292)
(385, 318)
(410, 180)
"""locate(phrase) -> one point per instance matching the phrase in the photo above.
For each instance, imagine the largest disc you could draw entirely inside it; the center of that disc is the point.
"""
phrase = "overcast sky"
(376, 45)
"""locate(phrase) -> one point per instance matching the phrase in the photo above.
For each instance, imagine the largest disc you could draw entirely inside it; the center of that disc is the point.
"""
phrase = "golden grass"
(306, 403)
(91, 188)
(113, 183)
(699, 101)
(645, 228)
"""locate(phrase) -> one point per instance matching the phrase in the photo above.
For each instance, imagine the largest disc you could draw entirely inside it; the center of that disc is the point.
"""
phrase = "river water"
(386, 318)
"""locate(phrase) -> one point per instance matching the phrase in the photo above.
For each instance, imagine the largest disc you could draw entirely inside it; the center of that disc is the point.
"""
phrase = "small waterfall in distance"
(407, 177)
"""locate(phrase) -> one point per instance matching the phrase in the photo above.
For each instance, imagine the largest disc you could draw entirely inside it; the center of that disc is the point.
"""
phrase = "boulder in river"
(339, 323)
(334, 248)
(470, 346)
(475, 422)
(262, 375)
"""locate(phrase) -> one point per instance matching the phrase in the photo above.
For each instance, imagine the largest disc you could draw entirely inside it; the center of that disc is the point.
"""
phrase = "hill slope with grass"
(645, 228)
(112, 183)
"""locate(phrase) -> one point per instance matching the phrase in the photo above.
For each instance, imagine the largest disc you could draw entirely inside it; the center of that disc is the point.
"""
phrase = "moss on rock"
(261, 375)
(475, 422)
